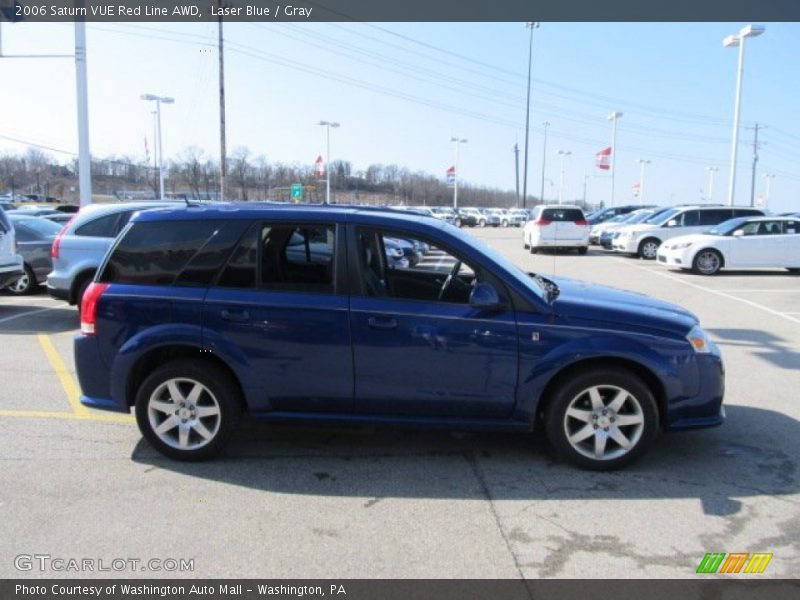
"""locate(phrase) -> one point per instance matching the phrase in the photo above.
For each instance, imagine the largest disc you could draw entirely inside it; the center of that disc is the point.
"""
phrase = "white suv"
(10, 262)
(556, 227)
(644, 239)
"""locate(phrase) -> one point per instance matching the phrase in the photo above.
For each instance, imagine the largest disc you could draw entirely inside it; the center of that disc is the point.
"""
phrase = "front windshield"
(639, 217)
(498, 258)
(726, 227)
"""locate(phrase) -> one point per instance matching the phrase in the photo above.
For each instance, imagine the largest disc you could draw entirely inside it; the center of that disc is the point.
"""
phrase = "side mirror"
(485, 297)
(672, 223)
(738, 233)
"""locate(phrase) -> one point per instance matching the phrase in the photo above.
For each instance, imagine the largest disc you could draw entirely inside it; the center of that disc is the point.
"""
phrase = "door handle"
(237, 316)
(483, 333)
(382, 323)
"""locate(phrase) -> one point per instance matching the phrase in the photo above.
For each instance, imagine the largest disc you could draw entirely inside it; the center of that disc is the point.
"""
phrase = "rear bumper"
(94, 379)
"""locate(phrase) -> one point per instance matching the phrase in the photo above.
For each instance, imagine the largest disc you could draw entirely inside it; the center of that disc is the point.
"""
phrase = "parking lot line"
(27, 313)
(52, 414)
(710, 291)
(64, 376)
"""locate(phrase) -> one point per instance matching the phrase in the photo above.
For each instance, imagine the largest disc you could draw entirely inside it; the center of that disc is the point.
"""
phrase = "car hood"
(586, 303)
(697, 238)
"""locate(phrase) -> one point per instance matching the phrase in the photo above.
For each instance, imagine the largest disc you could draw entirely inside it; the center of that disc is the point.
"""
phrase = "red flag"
(601, 159)
(636, 188)
(451, 170)
(319, 166)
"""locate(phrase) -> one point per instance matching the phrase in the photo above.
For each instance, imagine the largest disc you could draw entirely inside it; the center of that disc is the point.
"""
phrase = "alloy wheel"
(184, 414)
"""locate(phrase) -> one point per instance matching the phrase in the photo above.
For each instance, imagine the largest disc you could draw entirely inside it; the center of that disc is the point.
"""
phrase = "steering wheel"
(446, 285)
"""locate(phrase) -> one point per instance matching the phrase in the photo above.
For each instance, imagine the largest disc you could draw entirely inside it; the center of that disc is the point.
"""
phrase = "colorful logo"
(735, 562)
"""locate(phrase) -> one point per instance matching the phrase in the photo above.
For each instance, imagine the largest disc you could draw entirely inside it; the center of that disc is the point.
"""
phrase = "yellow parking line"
(47, 414)
(64, 376)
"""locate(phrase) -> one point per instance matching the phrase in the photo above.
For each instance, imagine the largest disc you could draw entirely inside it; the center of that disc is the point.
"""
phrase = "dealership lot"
(373, 503)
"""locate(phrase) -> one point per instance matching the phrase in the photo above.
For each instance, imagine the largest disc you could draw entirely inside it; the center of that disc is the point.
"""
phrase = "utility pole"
(711, 171)
(530, 26)
(613, 117)
(755, 129)
(585, 184)
(516, 165)
(84, 157)
(546, 124)
(223, 168)
(769, 177)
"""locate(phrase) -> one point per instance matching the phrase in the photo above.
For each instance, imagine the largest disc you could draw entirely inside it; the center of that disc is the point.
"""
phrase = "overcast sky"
(401, 90)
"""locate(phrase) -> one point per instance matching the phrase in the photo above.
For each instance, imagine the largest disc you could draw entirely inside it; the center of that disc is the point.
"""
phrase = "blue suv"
(293, 313)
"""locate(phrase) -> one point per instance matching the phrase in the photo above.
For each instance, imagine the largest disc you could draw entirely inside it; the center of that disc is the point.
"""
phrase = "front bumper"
(704, 409)
(678, 259)
(626, 245)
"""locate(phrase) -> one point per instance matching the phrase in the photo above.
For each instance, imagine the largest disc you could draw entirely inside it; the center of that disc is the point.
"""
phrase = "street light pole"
(642, 162)
(711, 171)
(563, 154)
(84, 157)
(159, 100)
(458, 141)
(732, 41)
(769, 177)
(613, 117)
(546, 124)
(328, 125)
(531, 26)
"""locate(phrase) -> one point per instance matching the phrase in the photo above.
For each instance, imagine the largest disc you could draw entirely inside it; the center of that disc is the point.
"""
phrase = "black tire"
(573, 394)
(794, 270)
(457, 222)
(648, 248)
(25, 285)
(505, 223)
(707, 262)
(583, 250)
(534, 249)
(220, 393)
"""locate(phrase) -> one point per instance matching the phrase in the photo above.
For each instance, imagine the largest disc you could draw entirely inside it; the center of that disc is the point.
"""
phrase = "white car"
(643, 240)
(744, 243)
(556, 227)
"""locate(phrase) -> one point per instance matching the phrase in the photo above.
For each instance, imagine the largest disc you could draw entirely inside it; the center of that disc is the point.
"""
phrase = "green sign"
(297, 192)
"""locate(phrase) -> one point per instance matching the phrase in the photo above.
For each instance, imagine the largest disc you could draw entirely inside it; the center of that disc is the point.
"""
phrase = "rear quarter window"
(562, 214)
(157, 252)
(105, 226)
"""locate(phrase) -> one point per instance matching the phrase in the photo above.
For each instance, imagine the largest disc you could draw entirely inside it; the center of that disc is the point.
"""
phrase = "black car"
(35, 237)
(468, 218)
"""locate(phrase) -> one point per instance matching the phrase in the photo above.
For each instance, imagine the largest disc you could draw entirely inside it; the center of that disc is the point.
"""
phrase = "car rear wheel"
(534, 249)
(457, 222)
(25, 284)
(602, 419)
(648, 249)
(482, 223)
(583, 250)
(707, 262)
(188, 409)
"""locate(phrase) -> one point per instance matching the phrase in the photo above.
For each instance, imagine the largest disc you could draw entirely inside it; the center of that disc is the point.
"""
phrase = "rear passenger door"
(278, 309)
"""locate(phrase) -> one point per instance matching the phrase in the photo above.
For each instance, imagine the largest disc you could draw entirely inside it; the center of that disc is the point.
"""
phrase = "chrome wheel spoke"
(207, 411)
(202, 430)
(183, 435)
(624, 420)
(194, 395)
(584, 432)
(600, 444)
(616, 434)
(618, 400)
(580, 415)
(174, 391)
(164, 407)
(168, 423)
(596, 398)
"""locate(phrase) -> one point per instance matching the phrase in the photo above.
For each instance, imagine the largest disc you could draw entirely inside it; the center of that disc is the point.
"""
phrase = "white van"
(644, 239)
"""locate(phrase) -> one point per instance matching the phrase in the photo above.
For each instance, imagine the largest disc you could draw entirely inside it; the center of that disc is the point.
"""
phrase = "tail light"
(55, 249)
(89, 307)
(581, 222)
(542, 222)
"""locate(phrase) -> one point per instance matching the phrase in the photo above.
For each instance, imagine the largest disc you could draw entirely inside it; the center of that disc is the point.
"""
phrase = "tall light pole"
(711, 171)
(327, 125)
(563, 154)
(546, 124)
(530, 26)
(613, 117)
(642, 162)
(732, 41)
(155, 144)
(458, 141)
(159, 100)
(223, 155)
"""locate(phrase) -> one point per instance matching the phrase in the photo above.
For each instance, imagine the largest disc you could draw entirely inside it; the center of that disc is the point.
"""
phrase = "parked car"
(556, 227)
(11, 263)
(604, 214)
(34, 236)
(59, 217)
(489, 216)
(468, 216)
(609, 228)
(743, 243)
(36, 211)
(196, 316)
(79, 247)
(597, 229)
(7, 205)
(519, 216)
(643, 240)
(445, 213)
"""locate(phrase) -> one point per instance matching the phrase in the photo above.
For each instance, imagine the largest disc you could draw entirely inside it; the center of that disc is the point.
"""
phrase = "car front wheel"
(188, 409)
(707, 262)
(602, 419)
(648, 249)
(25, 284)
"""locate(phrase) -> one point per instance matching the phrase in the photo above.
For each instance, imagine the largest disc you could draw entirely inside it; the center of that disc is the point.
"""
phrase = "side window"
(297, 257)
(240, 272)
(105, 226)
(122, 221)
(791, 227)
(691, 218)
(399, 265)
(747, 212)
(715, 216)
(752, 228)
(155, 252)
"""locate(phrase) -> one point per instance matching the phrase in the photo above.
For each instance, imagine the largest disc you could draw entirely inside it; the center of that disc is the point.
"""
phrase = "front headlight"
(700, 341)
(681, 245)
